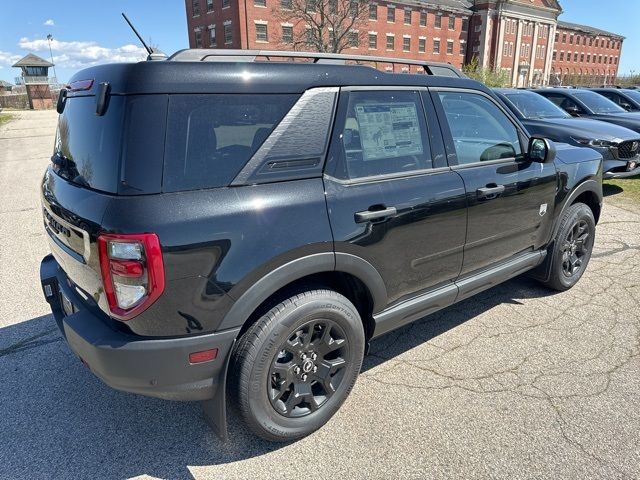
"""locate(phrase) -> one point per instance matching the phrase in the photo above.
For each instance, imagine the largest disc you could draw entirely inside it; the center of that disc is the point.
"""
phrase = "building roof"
(587, 29)
(31, 60)
(5, 84)
(458, 6)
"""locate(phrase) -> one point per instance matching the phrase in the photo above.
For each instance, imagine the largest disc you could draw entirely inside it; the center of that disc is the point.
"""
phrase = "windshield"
(534, 106)
(597, 103)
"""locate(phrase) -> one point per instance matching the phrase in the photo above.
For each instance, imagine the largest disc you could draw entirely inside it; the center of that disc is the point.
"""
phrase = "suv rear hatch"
(92, 162)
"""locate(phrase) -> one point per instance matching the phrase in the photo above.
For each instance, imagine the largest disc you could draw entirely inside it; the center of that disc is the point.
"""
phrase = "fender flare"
(299, 268)
(589, 185)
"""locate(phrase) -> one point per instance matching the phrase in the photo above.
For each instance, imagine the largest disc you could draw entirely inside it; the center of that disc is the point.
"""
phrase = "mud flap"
(215, 409)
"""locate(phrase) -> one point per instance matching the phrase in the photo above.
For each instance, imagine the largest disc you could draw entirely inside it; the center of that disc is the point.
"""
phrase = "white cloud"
(79, 54)
(49, 23)
(7, 59)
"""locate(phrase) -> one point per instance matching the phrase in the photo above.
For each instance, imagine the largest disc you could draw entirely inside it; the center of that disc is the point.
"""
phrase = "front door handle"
(490, 192)
(370, 215)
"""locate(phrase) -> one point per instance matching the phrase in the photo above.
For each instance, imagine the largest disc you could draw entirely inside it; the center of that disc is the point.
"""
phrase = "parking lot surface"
(517, 382)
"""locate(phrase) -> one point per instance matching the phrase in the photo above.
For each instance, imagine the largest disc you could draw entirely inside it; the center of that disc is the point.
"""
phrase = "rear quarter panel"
(216, 243)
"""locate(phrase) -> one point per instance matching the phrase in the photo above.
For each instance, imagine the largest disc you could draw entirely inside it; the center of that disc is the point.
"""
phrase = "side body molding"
(296, 269)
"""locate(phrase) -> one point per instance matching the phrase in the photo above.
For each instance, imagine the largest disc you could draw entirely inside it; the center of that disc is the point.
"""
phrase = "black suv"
(245, 228)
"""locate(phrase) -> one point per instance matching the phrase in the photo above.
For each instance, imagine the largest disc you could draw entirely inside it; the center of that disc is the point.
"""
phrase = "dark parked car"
(619, 146)
(588, 104)
(628, 99)
(260, 222)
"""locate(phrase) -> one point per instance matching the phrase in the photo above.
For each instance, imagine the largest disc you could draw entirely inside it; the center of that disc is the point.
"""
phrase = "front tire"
(295, 366)
(572, 247)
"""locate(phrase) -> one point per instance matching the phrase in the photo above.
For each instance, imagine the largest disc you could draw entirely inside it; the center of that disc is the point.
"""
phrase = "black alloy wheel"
(308, 369)
(576, 246)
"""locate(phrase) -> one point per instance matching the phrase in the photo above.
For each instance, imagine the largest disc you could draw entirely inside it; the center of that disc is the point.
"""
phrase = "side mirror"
(541, 150)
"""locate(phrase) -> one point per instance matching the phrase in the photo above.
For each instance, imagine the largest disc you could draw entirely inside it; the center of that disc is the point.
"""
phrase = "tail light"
(132, 272)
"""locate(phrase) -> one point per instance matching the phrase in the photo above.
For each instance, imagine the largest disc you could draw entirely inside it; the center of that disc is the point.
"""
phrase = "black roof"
(248, 77)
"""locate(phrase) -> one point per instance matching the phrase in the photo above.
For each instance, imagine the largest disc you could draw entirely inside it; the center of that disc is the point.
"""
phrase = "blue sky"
(96, 32)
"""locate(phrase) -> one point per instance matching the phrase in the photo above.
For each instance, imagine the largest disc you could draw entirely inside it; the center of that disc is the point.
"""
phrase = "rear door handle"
(369, 215)
(490, 192)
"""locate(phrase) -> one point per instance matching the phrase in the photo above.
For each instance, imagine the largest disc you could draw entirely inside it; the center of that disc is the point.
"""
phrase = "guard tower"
(35, 76)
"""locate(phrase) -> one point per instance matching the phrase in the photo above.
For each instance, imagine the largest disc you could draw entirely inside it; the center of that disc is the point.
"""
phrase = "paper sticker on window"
(388, 130)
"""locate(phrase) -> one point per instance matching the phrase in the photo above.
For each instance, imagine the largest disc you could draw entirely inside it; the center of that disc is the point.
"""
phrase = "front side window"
(215, 135)
(597, 103)
(380, 133)
(480, 130)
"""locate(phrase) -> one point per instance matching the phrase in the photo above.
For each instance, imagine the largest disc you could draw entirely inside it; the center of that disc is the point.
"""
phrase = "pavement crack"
(28, 343)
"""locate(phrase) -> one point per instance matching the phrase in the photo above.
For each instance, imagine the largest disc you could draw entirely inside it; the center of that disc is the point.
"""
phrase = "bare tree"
(324, 25)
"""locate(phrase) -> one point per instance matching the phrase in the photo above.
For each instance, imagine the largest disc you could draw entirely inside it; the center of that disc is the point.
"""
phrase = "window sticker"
(388, 130)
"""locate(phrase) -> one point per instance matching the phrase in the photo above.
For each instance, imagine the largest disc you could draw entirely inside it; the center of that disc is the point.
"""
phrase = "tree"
(327, 26)
(489, 76)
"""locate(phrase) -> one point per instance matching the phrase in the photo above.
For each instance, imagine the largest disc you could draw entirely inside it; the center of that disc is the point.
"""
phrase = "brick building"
(522, 37)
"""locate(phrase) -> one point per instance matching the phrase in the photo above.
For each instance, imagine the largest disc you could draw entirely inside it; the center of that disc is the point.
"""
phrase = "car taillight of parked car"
(132, 272)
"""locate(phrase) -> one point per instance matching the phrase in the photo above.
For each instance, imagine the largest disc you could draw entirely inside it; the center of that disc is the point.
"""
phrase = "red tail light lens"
(132, 272)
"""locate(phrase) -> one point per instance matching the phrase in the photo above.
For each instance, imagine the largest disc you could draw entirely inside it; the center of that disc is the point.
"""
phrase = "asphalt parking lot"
(517, 382)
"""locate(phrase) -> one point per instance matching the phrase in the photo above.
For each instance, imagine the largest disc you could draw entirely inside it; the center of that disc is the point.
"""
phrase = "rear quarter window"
(211, 137)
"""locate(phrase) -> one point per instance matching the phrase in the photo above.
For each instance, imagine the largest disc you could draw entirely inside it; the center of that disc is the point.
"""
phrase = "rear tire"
(572, 247)
(295, 366)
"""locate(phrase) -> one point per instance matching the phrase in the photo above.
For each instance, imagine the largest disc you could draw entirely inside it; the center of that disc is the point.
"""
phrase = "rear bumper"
(147, 366)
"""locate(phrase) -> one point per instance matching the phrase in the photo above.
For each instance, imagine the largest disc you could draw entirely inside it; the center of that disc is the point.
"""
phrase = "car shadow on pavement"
(609, 189)
(59, 421)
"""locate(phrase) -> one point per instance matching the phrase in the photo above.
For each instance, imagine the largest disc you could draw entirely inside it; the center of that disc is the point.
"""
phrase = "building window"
(406, 44)
(259, 3)
(390, 42)
(287, 34)
(505, 50)
(209, 6)
(212, 36)
(422, 45)
(554, 56)
(228, 34)
(438, 23)
(564, 38)
(449, 47)
(391, 13)
(562, 56)
(311, 6)
(373, 11)
(570, 39)
(436, 46)
(286, 4)
(407, 16)
(588, 58)
(354, 39)
(575, 57)
(582, 58)
(511, 49)
(198, 37)
(261, 33)
(452, 23)
(373, 41)
(423, 19)
(195, 7)
(225, 3)
(463, 47)
(615, 60)
(557, 36)
(465, 24)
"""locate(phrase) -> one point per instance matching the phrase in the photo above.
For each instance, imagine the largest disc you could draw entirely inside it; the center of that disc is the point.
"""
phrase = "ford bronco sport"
(236, 231)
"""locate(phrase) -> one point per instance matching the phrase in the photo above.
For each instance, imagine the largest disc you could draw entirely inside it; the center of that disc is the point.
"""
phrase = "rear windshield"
(211, 137)
(88, 145)
(533, 106)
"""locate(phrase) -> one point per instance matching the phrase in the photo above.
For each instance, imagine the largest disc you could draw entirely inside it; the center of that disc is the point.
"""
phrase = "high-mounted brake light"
(132, 272)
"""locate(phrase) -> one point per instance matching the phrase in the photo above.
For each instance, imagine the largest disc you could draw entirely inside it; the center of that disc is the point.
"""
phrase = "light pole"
(50, 39)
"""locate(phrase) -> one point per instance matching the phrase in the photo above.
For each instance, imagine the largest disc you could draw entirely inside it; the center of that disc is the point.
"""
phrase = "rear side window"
(381, 133)
(211, 137)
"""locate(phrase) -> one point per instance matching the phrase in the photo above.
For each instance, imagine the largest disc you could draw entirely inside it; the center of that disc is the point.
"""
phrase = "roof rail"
(225, 55)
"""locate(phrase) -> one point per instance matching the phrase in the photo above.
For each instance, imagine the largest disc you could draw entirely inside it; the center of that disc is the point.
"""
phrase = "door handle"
(490, 192)
(370, 215)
